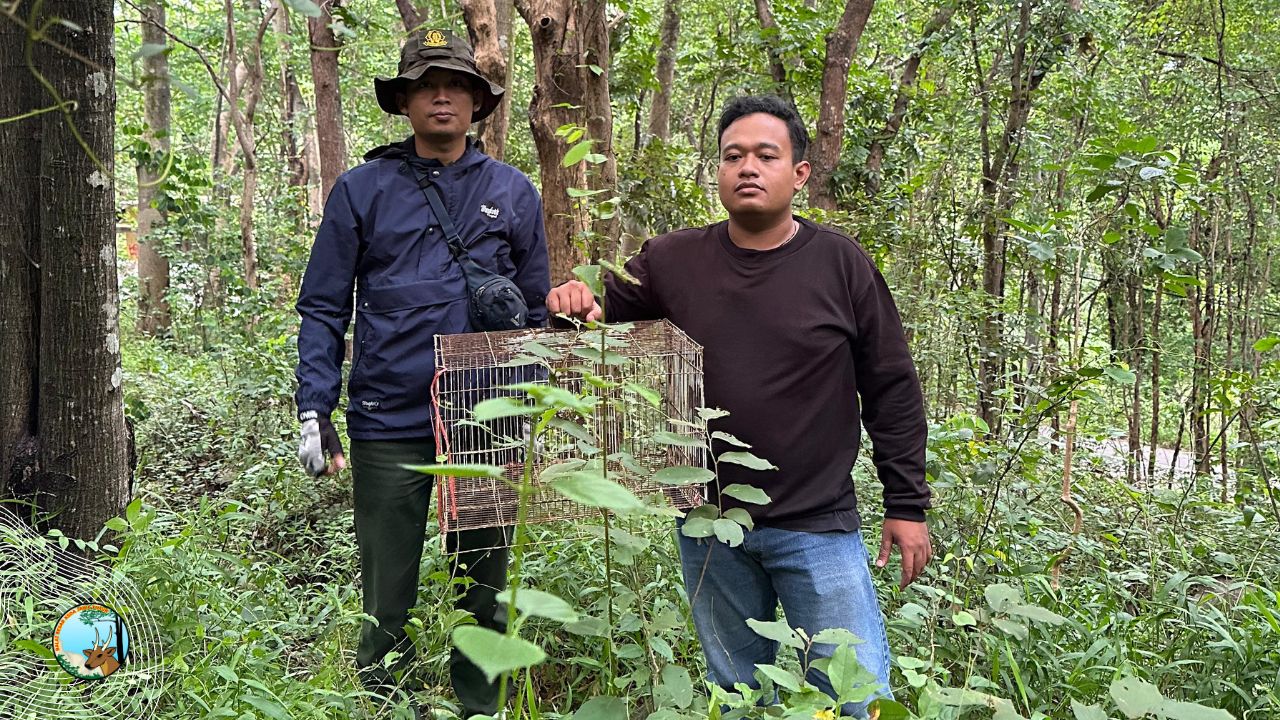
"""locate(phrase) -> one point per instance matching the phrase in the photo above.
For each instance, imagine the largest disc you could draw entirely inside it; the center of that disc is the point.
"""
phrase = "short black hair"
(771, 105)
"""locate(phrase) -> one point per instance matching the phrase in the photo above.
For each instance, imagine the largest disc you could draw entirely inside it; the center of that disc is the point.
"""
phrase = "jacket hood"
(404, 150)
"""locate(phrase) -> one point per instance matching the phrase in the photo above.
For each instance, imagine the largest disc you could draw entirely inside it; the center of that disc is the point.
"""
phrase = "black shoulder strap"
(442, 216)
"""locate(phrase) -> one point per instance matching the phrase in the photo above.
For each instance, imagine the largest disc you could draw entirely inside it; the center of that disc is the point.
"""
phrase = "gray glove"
(319, 438)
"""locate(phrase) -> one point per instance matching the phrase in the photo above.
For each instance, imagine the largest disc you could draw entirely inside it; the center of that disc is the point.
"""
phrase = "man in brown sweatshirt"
(802, 345)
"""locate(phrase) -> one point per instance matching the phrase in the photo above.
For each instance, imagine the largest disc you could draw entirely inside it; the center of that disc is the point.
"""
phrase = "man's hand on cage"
(318, 437)
(574, 299)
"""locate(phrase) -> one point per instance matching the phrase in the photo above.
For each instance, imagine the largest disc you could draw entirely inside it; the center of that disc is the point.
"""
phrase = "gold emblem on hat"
(435, 38)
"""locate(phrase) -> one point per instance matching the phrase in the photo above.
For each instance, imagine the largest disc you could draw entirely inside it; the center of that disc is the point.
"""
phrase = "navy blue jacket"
(380, 239)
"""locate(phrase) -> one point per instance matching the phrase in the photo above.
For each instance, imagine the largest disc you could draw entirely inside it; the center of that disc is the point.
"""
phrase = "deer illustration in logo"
(101, 656)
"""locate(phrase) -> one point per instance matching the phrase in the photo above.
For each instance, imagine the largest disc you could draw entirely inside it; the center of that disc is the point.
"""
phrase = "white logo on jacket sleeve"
(490, 211)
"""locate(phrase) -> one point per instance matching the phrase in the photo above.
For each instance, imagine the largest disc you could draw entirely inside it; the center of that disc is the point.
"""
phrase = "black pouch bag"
(494, 302)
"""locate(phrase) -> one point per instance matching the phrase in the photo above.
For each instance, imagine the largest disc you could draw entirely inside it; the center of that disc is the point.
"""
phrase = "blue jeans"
(822, 580)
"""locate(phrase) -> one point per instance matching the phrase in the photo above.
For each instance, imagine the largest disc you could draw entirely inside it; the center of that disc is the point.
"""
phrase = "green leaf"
(1135, 697)
(964, 618)
(501, 407)
(1000, 596)
(698, 527)
(590, 275)
(542, 604)
(746, 493)
(837, 636)
(576, 154)
(683, 475)
(602, 708)
(495, 653)
(650, 395)
(1036, 613)
(459, 470)
(708, 414)
(32, 646)
(740, 516)
(589, 626)
(670, 438)
(591, 489)
(1088, 712)
(573, 430)
(781, 677)
(1120, 375)
(730, 439)
(1180, 710)
(1266, 344)
(305, 7)
(848, 678)
(269, 707)
(677, 683)
(1016, 629)
(776, 631)
(891, 710)
(728, 532)
(746, 459)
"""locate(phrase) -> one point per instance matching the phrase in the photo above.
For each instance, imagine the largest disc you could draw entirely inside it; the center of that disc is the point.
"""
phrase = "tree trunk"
(596, 57)
(875, 154)
(19, 261)
(247, 92)
(324, 73)
(489, 26)
(660, 111)
(409, 14)
(64, 444)
(842, 43)
(153, 267)
(769, 26)
(291, 102)
(560, 97)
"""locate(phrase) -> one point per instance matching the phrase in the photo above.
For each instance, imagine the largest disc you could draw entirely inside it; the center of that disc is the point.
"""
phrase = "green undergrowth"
(1164, 605)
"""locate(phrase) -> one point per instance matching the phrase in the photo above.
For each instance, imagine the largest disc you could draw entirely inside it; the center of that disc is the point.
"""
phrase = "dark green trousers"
(391, 505)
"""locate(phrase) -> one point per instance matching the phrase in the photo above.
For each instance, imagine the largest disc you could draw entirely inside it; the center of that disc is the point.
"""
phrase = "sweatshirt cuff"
(914, 514)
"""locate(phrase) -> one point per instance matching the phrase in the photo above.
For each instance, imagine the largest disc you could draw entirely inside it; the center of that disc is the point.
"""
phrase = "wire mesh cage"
(639, 380)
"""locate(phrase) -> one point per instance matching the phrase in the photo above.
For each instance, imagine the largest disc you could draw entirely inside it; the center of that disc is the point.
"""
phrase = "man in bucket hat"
(381, 241)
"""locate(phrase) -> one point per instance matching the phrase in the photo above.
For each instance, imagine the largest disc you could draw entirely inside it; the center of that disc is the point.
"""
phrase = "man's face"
(756, 174)
(439, 104)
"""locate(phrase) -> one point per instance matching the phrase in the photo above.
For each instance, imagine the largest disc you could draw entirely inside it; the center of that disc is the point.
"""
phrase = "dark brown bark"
(906, 83)
(842, 44)
(324, 73)
(568, 38)
(153, 267)
(597, 57)
(291, 103)
(489, 26)
(61, 378)
(19, 261)
(665, 73)
(409, 14)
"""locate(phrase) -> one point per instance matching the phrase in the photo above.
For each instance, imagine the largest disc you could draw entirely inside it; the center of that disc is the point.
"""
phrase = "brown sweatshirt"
(792, 338)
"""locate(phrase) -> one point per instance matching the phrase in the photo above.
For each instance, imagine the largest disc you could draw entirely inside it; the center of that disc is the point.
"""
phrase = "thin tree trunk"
(324, 73)
(291, 102)
(906, 85)
(249, 93)
(842, 43)
(83, 474)
(489, 26)
(1157, 347)
(665, 73)
(764, 13)
(597, 57)
(153, 267)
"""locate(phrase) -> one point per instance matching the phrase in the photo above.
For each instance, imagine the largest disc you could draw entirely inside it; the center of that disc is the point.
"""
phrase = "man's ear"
(402, 102)
(802, 169)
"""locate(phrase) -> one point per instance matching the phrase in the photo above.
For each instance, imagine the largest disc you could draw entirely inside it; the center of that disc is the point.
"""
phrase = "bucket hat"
(426, 49)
